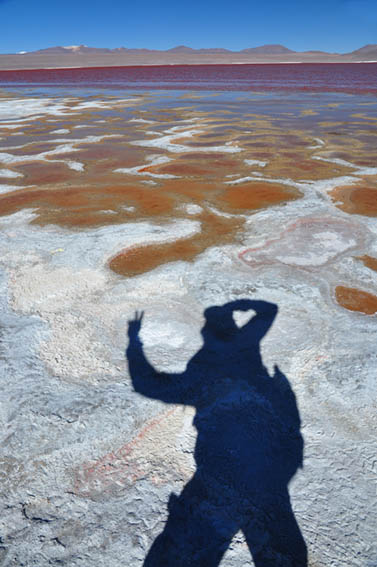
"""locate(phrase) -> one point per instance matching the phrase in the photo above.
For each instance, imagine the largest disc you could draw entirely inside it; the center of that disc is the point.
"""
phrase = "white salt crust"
(65, 146)
(255, 162)
(153, 160)
(16, 111)
(166, 142)
(9, 173)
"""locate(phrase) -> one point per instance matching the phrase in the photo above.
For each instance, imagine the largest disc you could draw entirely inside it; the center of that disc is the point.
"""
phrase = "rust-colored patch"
(44, 173)
(356, 200)
(356, 300)
(34, 149)
(256, 195)
(140, 259)
(297, 165)
(137, 260)
(183, 169)
(368, 261)
(211, 157)
(192, 189)
(87, 206)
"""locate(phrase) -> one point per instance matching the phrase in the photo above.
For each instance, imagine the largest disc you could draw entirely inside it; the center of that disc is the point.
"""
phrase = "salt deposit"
(88, 465)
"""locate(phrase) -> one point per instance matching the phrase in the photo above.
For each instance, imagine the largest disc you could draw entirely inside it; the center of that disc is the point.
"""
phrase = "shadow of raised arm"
(146, 380)
(261, 322)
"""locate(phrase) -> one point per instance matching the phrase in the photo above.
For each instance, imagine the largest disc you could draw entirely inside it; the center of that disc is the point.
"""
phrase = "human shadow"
(248, 446)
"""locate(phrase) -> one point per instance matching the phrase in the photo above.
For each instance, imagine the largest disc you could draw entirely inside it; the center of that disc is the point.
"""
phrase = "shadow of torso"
(248, 423)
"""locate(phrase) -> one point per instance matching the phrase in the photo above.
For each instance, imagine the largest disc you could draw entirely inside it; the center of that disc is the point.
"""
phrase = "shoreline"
(259, 63)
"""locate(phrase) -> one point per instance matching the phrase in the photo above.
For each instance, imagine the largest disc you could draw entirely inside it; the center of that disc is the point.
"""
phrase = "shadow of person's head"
(219, 323)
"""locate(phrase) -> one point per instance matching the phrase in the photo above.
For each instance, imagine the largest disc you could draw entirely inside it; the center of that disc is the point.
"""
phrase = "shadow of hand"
(134, 325)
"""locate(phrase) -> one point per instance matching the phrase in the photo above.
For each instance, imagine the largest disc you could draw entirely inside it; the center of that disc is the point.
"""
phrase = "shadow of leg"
(279, 542)
(190, 537)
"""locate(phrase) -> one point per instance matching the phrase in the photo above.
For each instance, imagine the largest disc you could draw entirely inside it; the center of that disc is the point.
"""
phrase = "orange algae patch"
(42, 174)
(87, 206)
(356, 200)
(182, 169)
(356, 300)
(297, 165)
(140, 259)
(212, 157)
(252, 196)
(109, 154)
(191, 189)
(369, 262)
(214, 167)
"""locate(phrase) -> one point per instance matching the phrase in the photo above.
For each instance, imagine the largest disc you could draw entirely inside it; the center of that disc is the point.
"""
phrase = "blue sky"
(330, 25)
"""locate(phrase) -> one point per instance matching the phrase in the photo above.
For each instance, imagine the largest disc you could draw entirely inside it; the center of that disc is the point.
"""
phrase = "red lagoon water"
(320, 77)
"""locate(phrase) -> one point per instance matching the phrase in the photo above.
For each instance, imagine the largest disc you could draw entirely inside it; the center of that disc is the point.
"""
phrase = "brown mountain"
(367, 53)
(84, 56)
(268, 50)
(184, 49)
(180, 49)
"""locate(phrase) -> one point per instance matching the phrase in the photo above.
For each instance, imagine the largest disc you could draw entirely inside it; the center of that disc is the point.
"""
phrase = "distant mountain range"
(84, 56)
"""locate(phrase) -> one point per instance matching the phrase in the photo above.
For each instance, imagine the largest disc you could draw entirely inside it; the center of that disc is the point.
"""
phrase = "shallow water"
(346, 77)
(88, 157)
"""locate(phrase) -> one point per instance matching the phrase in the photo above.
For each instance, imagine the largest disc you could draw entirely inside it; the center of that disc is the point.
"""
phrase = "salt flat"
(239, 196)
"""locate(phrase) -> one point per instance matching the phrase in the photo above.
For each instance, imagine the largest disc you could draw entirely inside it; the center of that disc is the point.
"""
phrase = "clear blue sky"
(330, 25)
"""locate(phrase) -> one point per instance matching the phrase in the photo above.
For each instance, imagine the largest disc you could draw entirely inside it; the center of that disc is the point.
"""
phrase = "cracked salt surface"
(308, 243)
(77, 275)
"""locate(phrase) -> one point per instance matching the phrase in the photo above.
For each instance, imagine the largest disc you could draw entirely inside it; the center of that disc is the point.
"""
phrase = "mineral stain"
(357, 200)
(140, 259)
(356, 300)
(369, 262)
(253, 196)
